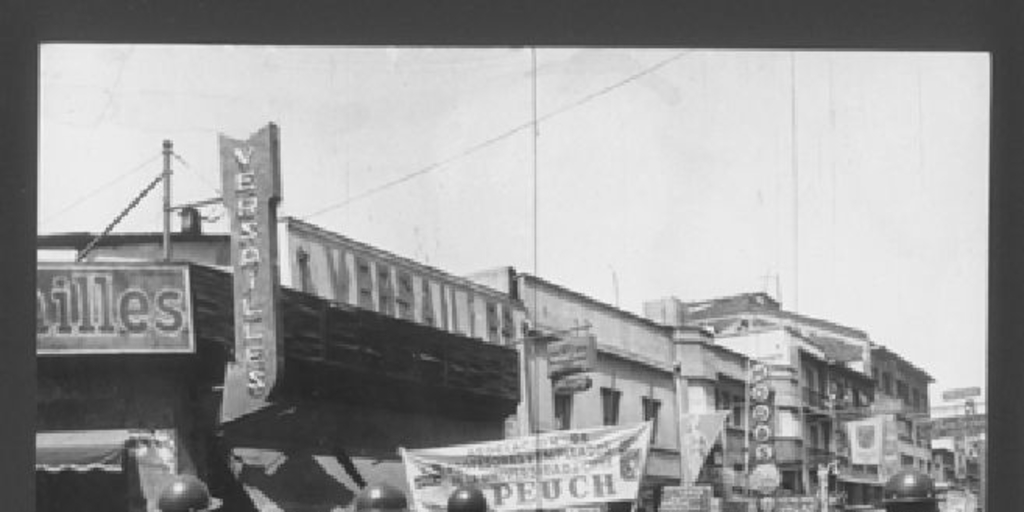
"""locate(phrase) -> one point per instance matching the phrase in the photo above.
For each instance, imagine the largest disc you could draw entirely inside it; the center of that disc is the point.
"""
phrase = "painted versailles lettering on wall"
(555, 470)
(106, 308)
(250, 172)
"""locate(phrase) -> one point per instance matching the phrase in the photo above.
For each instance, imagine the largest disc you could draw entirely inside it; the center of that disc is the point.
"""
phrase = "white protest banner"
(866, 439)
(554, 470)
(699, 434)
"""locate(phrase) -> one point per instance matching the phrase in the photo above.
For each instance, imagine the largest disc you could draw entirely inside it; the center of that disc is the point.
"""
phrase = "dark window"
(405, 299)
(887, 383)
(563, 411)
(610, 405)
(651, 409)
(305, 275)
(902, 391)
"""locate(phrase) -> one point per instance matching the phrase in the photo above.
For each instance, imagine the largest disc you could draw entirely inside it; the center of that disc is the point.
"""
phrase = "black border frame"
(920, 25)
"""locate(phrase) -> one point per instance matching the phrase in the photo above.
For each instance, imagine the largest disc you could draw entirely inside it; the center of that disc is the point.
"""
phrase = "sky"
(851, 186)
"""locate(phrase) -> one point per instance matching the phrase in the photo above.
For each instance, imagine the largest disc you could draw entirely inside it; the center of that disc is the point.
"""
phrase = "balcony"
(815, 402)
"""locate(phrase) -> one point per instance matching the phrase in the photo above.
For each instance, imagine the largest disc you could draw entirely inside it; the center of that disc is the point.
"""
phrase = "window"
(651, 409)
(305, 276)
(610, 405)
(902, 391)
(563, 411)
(887, 383)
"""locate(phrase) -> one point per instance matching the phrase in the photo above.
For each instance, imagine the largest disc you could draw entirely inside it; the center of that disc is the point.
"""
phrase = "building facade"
(357, 385)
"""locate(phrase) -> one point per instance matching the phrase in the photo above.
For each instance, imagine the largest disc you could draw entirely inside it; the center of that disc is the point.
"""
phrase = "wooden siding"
(342, 352)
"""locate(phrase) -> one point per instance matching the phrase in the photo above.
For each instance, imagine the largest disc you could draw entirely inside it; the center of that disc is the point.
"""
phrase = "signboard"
(574, 354)
(961, 393)
(555, 470)
(119, 308)
(572, 384)
(957, 425)
(765, 478)
(339, 269)
(250, 171)
(696, 498)
(796, 504)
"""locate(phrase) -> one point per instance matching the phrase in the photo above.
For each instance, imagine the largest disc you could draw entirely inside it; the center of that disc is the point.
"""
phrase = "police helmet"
(467, 498)
(909, 486)
(380, 498)
(186, 493)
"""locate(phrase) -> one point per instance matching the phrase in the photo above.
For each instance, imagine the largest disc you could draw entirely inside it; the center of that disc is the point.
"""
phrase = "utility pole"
(168, 151)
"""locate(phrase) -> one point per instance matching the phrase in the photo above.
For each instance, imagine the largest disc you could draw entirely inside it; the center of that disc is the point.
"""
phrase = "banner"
(250, 172)
(699, 434)
(688, 498)
(866, 439)
(555, 470)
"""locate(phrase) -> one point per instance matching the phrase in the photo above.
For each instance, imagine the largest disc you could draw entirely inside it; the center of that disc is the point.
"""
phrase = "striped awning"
(81, 450)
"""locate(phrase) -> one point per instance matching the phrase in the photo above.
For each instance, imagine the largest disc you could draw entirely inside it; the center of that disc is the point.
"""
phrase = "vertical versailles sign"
(250, 172)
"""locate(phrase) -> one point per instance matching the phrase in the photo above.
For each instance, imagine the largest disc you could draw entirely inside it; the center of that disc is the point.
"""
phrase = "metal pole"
(682, 406)
(168, 151)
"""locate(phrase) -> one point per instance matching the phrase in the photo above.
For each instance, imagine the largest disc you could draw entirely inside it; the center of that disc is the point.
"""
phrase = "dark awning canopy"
(81, 450)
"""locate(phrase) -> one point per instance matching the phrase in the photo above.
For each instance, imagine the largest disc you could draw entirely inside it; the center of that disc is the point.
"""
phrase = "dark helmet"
(380, 498)
(467, 498)
(909, 486)
(186, 493)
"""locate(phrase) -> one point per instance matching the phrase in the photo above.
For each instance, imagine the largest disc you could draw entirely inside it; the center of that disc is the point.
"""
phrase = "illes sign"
(555, 470)
(250, 172)
(119, 308)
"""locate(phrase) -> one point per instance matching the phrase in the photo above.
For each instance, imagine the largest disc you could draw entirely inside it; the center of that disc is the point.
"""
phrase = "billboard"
(113, 308)
(554, 470)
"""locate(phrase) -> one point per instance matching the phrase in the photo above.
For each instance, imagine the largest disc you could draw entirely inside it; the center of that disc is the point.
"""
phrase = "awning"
(860, 480)
(81, 450)
(299, 482)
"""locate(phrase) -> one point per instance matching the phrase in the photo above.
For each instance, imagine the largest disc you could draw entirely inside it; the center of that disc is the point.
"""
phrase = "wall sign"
(762, 432)
(98, 308)
(250, 172)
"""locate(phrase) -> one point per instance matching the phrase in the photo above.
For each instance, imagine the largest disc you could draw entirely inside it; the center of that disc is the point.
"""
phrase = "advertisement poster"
(554, 470)
(866, 440)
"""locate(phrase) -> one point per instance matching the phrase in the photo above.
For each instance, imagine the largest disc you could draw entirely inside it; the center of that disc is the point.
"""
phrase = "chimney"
(191, 221)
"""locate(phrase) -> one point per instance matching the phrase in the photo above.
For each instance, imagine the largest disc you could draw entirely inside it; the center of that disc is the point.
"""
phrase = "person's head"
(186, 493)
(381, 498)
(467, 498)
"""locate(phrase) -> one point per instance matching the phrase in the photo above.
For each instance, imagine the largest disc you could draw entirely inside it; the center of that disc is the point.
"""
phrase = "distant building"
(632, 380)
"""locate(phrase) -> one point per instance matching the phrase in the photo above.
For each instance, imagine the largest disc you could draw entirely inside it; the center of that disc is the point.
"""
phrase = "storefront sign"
(695, 498)
(571, 384)
(556, 470)
(250, 171)
(342, 270)
(97, 308)
(957, 425)
(797, 504)
(573, 354)
(960, 393)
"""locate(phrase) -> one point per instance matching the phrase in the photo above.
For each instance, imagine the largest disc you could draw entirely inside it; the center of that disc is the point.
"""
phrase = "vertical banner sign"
(765, 475)
(250, 172)
(866, 440)
(699, 434)
(565, 469)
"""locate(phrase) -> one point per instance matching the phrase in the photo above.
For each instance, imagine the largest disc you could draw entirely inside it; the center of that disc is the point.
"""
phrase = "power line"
(533, 123)
(101, 188)
(134, 202)
(195, 173)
